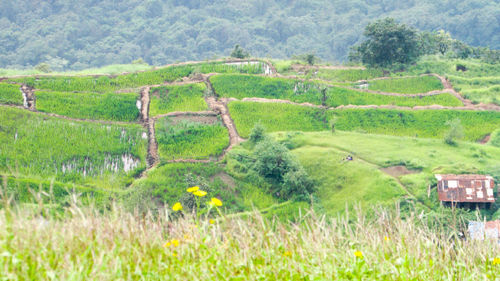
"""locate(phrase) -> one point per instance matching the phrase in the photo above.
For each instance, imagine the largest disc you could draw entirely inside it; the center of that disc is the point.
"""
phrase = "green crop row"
(407, 85)
(348, 75)
(33, 144)
(102, 84)
(114, 107)
(243, 86)
(10, 94)
(276, 117)
(190, 140)
(167, 99)
(420, 123)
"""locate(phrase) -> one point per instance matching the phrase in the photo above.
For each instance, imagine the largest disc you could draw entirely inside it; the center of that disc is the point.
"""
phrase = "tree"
(444, 41)
(239, 52)
(388, 44)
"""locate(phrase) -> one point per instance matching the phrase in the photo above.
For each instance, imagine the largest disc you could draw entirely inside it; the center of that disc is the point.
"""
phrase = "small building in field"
(466, 190)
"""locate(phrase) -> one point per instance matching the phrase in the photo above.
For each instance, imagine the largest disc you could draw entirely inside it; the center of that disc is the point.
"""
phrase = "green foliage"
(276, 117)
(411, 85)
(495, 138)
(239, 52)
(456, 132)
(190, 140)
(340, 96)
(32, 144)
(419, 123)
(102, 84)
(388, 44)
(114, 107)
(10, 94)
(167, 99)
(258, 134)
(349, 75)
(243, 86)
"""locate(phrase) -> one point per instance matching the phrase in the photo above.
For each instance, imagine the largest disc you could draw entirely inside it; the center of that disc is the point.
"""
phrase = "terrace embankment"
(29, 97)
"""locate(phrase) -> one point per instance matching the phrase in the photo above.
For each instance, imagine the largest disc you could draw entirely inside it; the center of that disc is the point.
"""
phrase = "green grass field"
(420, 123)
(177, 98)
(340, 96)
(276, 117)
(10, 94)
(190, 140)
(341, 182)
(39, 146)
(120, 245)
(103, 84)
(245, 86)
(411, 85)
(348, 75)
(113, 107)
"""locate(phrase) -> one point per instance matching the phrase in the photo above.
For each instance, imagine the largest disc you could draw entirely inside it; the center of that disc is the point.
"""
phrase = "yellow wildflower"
(211, 221)
(216, 202)
(177, 207)
(358, 254)
(387, 238)
(496, 261)
(287, 254)
(193, 189)
(200, 193)
(175, 242)
(167, 244)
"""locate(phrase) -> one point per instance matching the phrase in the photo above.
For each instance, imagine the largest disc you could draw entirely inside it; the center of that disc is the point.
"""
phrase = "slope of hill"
(124, 133)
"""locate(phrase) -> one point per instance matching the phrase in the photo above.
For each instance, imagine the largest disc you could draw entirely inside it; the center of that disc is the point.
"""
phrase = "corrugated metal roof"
(466, 188)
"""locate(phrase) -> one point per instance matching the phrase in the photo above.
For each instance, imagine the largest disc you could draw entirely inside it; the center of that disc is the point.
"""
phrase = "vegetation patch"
(339, 96)
(167, 99)
(276, 117)
(246, 86)
(190, 140)
(113, 107)
(348, 75)
(10, 94)
(32, 144)
(407, 85)
(417, 123)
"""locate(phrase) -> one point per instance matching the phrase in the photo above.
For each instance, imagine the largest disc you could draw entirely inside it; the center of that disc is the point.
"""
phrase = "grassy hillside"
(245, 86)
(418, 123)
(362, 181)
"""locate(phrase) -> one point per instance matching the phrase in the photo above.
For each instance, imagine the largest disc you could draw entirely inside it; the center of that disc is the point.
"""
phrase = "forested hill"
(76, 34)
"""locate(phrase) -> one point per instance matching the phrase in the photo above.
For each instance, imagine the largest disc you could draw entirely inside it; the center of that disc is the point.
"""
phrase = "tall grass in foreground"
(86, 245)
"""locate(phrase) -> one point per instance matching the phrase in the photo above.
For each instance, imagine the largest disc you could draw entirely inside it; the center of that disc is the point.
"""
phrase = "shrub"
(456, 132)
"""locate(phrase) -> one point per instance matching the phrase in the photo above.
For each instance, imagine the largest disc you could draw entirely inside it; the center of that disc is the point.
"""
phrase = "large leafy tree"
(388, 44)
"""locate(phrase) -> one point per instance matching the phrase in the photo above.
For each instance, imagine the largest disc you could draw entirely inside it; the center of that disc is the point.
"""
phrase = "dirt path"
(220, 107)
(152, 158)
(145, 104)
(486, 139)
